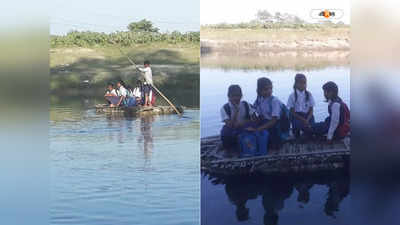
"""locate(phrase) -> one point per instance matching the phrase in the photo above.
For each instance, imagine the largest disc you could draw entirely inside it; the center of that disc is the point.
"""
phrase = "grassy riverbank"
(77, 71)
(280, 39)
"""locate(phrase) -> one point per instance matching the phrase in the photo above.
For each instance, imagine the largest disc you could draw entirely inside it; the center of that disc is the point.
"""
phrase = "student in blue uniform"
(337, 124)
(268, 108)
(301, 104)
(236, 115)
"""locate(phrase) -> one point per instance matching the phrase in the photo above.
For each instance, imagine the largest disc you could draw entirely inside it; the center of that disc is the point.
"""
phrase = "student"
(301, 104)
(122, 93)
(111, 95)
(235, 114)
(138, 92)
(268, 108)
(148, 76)
(337, 124)
(130, 98)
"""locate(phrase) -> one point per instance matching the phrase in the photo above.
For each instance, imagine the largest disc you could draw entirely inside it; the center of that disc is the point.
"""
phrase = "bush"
(123, 38)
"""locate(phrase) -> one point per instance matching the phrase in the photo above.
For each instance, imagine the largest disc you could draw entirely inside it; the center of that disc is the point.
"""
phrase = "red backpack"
(344, 126)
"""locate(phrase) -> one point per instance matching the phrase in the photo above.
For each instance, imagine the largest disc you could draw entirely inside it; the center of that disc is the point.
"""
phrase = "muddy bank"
(336, 44)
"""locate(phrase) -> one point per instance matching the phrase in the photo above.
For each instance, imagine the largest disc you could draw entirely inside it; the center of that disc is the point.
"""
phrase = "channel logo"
(326, 14)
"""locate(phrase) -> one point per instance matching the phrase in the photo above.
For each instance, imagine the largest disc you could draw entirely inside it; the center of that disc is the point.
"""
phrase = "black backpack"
(227, 109)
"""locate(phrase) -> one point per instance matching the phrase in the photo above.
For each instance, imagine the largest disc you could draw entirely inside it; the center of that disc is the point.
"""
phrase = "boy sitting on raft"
(236, 116)
(111, 95)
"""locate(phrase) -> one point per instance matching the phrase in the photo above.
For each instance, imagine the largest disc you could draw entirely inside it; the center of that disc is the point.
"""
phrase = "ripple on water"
(123, 171)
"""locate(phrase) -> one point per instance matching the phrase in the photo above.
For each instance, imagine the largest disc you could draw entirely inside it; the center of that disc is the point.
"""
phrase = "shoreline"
(275, 40)
(227, 46)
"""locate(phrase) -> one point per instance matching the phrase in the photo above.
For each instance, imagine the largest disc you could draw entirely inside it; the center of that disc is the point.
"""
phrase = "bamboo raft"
(137, 110)
(316, 156)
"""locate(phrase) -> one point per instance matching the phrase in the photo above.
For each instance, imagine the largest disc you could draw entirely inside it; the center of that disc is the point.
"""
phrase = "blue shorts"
(146, 88)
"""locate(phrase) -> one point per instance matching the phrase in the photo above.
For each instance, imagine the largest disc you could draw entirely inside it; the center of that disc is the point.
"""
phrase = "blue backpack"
(248, 144)
(253, 143)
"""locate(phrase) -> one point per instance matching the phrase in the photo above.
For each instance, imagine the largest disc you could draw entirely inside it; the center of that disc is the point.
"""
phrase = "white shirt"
(137, 93)
(335, 117)
(301, 105)
(268, 107)
(242, 112)
(112, 92)
(130, 94)
(122, 91)
(148, 75)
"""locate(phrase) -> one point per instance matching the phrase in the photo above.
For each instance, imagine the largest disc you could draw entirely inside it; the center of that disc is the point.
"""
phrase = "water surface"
(117, 170)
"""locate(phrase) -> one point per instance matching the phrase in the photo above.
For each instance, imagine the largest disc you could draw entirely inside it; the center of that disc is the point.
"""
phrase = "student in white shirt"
(148, 76)
(236, 115)
(337, 124)
(130, 98)
(268, 107)
(301, 105)
(121, 92)
(111, 95)
(137, 92)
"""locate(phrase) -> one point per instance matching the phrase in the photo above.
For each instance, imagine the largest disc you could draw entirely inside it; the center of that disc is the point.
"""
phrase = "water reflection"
(274, 191)
(146, 136)
(126, 125)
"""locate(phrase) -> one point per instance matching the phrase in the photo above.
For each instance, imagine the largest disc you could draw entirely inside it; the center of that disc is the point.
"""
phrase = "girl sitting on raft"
(268, 110)
(300, 104)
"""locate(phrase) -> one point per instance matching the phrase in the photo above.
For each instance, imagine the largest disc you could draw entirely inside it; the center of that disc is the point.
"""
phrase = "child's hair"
(262, 83)
(331, 87)
(110, 84)
(146, 62)
(129, 87)
(234, 89)
(122, 83)
(297, 78)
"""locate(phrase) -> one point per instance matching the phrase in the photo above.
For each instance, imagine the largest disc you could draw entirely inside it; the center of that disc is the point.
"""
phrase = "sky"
(109, 16)
(228, 11)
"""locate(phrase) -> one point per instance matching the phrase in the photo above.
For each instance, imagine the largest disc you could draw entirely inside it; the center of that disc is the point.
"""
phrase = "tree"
(143, 25)
(264, 16)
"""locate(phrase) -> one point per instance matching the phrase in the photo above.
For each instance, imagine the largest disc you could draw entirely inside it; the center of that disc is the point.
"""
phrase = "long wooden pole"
(159, 92)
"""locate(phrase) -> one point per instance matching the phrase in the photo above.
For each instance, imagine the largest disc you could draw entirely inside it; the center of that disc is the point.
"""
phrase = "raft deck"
(292, 157)
(138, 110)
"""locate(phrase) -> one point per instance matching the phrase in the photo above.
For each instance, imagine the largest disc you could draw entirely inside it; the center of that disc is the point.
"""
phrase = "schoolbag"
(344, 126)
(228, 111)
(284, 121)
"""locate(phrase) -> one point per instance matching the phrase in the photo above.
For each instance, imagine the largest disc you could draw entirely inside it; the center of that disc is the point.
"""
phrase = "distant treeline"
(257, 25)
(123, 38)
(141, 32)
(266, 20)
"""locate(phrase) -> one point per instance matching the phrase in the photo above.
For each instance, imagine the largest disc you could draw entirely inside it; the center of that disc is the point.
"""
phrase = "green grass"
(175, 66)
